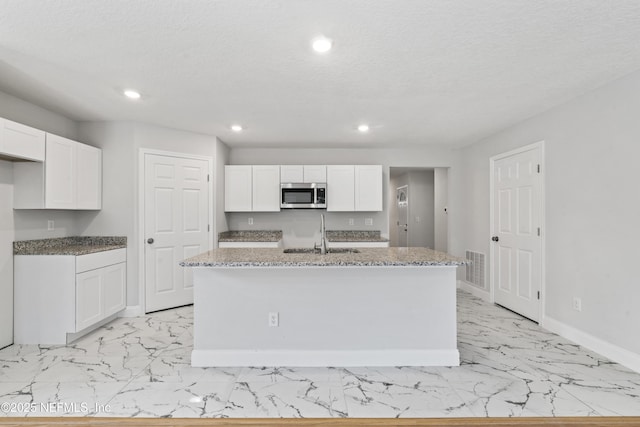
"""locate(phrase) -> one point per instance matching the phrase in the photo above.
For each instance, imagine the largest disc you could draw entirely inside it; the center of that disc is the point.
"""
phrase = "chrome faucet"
(323, 237)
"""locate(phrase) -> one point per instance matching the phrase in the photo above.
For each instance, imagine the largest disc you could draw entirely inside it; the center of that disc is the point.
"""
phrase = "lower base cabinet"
(61, 295)
(99, 294)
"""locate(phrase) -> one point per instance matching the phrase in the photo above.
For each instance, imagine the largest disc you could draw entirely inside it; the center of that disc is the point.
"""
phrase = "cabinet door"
(60, 173)
(340, 188)
(291, 173)
(315, 173)
(237, 188)
(89, 177)
(89, 304)
(368, 188)
(266, 188)
(114, 283)
(20, 141)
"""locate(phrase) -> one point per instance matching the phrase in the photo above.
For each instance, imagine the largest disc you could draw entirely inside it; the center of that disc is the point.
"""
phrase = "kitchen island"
(373, 307)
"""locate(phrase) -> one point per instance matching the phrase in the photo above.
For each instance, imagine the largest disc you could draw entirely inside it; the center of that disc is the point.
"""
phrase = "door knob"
(495, 238)
(150, 240)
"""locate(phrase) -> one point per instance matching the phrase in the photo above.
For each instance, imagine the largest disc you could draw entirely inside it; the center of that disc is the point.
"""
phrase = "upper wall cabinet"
(315, 173)
(300, 173)
(354, 188)
(266, 188)
(368, 188)
(237, 188)
(20, 142)
(70, 177)
(252, 188)
(340, 188)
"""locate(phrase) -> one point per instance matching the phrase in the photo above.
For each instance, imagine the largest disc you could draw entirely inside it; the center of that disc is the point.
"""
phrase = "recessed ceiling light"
(236, 128)
(321, 44)
(363, 128)
(132, 94)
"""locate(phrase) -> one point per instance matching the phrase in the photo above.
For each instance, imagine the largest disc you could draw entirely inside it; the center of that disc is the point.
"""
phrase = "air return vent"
(475, 269)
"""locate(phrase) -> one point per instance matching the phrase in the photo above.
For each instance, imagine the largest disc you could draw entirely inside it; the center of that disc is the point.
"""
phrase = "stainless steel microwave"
(303, 195)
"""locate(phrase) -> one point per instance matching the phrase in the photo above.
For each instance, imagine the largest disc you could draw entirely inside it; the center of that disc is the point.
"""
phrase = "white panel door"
(89, 177)
(237, 188)
(340, 188)
(368, 188)
(176, 215)
(60, 173)
(517, 245)
(266, 188)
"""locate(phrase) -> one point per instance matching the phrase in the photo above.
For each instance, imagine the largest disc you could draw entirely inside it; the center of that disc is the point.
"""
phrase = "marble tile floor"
(140, 367)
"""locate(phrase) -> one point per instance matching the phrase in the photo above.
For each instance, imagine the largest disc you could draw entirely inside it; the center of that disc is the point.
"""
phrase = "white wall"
(300, 226)
(121, 143)
(592, 207)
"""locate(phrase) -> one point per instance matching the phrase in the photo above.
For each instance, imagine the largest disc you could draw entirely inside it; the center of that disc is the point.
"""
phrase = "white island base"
(327, 316)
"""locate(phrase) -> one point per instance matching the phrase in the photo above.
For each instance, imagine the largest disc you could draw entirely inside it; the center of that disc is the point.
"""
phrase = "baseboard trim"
(311, 358)
(131, 311)
(475, 291)
(611, 351)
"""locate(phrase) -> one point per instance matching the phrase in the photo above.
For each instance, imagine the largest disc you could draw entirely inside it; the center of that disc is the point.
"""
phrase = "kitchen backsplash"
(302, 227)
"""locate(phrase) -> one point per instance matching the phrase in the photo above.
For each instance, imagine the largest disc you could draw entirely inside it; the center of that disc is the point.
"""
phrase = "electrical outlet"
(368, 221)
(250, 221)
(51, 225)
(274, 319)
(351, 221)
(417, 219)
(577, 304)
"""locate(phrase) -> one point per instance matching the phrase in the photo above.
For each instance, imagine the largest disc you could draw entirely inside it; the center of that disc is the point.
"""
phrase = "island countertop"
(365, 257)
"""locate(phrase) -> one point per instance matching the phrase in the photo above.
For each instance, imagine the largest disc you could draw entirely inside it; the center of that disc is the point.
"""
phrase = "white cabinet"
(315, 173)
(368, 188)
(99, 294)
(340, 188)
(60, 173)
(237, 188)
(266, 188)
(57, 295)
(252, 188)
(300, 173)
(88, 177)
(291, 173)
(354, 188)
(69, 178)
(21, 142)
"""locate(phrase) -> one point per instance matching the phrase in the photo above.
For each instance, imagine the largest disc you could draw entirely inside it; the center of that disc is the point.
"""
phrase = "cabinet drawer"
(100, 259)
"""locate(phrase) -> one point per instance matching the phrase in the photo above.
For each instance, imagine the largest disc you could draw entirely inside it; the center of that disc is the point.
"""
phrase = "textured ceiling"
(419, 72)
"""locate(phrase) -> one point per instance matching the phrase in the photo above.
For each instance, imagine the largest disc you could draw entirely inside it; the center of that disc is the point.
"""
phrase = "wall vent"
(475, 269)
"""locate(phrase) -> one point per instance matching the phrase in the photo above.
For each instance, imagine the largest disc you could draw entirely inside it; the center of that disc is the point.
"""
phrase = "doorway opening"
(418, 198)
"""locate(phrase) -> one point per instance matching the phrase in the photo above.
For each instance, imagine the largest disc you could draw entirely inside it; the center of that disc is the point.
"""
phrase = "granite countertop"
(354, 236)
(250, 236)
(69, 245)
(254, 257)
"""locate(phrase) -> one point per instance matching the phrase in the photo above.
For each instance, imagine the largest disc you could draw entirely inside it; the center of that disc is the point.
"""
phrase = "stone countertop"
(69, 245)
(250, 236)
(366, 257)
(354, 236)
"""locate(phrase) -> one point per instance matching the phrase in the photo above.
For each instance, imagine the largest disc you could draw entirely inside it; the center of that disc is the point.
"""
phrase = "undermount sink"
(317, 251)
